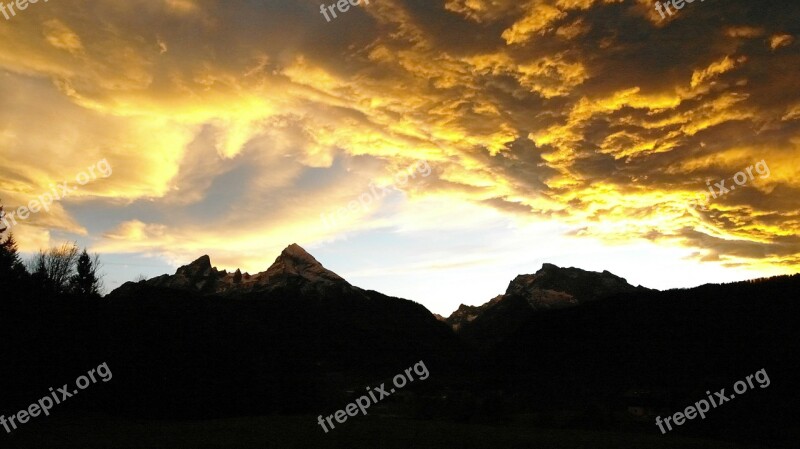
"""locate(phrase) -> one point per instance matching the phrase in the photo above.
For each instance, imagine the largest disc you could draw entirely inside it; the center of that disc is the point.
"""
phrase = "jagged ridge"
(549, 288)
(295, 266)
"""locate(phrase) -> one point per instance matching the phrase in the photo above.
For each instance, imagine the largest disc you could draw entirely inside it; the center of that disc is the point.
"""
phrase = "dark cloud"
(581, 110)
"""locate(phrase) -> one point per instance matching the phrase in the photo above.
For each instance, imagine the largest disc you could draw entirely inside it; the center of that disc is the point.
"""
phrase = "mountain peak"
(549, 267)
(202, 260)
(296, 261)
(200, 267)
(552, 287)
(294, 266)
(296, 252)
(567, 286)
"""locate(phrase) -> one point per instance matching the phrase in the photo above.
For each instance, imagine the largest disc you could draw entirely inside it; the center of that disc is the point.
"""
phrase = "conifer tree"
(11, 268)
(85, 282)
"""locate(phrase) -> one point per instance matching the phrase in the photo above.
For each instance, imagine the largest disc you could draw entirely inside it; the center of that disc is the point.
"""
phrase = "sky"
(427, 149)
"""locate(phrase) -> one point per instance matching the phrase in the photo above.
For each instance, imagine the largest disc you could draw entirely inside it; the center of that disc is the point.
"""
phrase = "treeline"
(59, 271)
(49, 319)
(63, 270)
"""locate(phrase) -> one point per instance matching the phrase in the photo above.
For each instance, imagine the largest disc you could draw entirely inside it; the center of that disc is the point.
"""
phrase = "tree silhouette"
(3, 227)
(54, 269)
(11, 267)
(86, 282)
(39, 271)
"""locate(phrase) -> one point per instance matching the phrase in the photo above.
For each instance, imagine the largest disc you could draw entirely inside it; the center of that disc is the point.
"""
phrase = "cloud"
(232, 127)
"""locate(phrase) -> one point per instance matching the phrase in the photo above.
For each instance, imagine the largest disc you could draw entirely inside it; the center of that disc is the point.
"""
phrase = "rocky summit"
(550, 288)
(294, 267)
(554, 287)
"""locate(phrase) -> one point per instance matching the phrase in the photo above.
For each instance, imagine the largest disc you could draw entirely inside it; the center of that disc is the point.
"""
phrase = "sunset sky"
(575, 132)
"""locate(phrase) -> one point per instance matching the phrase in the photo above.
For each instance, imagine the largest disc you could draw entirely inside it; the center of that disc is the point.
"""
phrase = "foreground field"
(301, 432)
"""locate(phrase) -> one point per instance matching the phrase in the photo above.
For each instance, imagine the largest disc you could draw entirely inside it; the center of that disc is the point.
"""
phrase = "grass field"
(282, 432)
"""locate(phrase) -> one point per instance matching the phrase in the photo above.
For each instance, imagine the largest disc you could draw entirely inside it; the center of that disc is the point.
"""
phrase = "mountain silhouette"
(549, 288)
(562, 347)
(296, 326)
(294, 266)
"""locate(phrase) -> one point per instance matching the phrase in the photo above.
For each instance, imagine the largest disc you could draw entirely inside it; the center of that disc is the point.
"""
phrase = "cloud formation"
(232, 126)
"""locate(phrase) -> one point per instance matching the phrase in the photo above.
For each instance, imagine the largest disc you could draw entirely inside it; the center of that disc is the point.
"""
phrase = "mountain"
(298, 339)
(553, 287)
(682, 342)
(294, 267)
(549, 288)
(295, 335)
(466, 314)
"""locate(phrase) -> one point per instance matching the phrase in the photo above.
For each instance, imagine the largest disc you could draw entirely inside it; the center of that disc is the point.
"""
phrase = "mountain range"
(296, 327)
(564, 346)
(293, 268)
(324, 331)
(549, 288)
